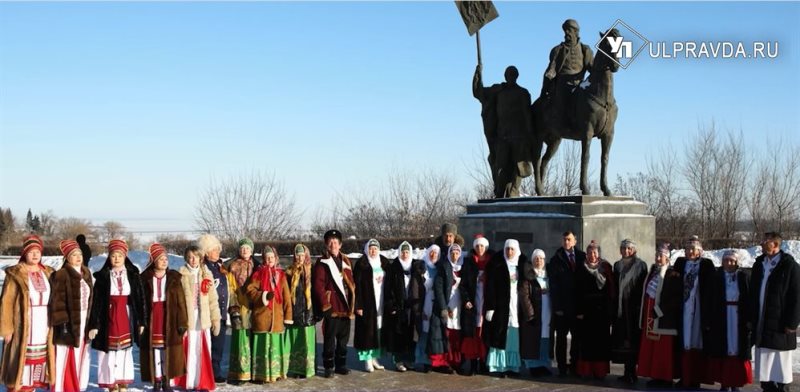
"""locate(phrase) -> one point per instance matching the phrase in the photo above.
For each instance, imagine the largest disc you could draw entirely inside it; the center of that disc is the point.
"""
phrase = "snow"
(616, 202)
(518, 215)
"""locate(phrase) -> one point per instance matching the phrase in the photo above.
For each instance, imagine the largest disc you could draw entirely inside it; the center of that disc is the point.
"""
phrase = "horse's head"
(603, 59)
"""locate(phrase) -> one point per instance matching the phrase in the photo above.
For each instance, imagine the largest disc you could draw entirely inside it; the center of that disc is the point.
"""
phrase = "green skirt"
(270, 357)
(302, 344)
(240, 359)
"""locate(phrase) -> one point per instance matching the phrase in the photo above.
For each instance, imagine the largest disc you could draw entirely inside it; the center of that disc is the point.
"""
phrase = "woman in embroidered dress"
(203, 314)
(534, 326)
(729, 346)
(301, 335)
(118, 317)
(502, 311)
(272, 308)
(70, 303)
(445, 328)
(161, 356)
(423, 307)
(240, 269)
(28, 357)
(369, 275)
(661, 309)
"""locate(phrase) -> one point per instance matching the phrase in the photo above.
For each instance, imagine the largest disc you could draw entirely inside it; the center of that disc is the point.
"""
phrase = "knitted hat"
(593, 245)
(68, 246)
(405, 246)
(118, 245)
(246, 242)
(299, 249)
(29, 243)
(627, 243)
(449, 228)
(156, 250)
(480, 240)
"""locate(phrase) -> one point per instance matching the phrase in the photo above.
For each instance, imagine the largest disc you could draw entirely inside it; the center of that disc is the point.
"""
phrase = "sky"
(125, 111)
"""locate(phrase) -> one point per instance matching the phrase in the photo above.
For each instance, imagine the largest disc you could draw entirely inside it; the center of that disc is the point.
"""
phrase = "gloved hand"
(92, 334)
(215, 327)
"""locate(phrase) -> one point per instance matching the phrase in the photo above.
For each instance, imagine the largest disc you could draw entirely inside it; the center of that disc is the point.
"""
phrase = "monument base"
(539, 222)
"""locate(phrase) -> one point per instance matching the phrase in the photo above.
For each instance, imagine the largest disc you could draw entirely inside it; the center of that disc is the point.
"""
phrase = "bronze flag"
(476, 14)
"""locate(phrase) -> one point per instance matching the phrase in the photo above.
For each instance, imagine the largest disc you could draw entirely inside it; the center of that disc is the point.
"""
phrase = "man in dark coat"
(561, 271)
(334, 293)
(776, 276)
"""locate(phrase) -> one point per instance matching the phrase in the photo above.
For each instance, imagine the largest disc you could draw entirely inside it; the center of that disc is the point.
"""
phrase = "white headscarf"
(428, 262)
(405, 263)
(373, 261)
(541, 273)
(515, 245)
(456, 263)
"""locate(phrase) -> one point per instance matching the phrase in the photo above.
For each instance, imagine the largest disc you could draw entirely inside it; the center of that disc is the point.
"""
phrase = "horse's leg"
(537, 162)
(605, 143)
(586, 145)
(552, 148)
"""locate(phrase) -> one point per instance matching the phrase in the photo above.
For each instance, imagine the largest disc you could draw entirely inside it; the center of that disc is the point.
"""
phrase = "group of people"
(455, 310)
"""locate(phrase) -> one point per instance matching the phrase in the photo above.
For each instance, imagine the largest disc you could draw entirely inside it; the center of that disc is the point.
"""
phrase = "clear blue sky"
(124, 110)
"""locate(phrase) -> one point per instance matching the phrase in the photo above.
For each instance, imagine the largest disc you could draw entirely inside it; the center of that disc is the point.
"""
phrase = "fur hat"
(480, 239)
(208, 242)
(449, 228)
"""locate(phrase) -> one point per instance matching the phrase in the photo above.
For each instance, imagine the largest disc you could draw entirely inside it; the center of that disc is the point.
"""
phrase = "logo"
(625, 47)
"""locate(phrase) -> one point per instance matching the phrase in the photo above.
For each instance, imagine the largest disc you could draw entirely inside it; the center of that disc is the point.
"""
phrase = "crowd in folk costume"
(455, 310)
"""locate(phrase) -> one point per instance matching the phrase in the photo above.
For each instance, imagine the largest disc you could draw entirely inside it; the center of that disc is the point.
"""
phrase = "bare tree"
(255, 205)
(774, 199)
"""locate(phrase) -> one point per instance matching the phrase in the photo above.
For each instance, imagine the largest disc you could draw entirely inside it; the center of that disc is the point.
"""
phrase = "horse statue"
(593, 111)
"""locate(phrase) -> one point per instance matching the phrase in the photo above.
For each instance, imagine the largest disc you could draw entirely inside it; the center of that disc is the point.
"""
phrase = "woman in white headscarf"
(501, 322)
(369, 273)
(534, 326)
(423, 306)
(445, 331)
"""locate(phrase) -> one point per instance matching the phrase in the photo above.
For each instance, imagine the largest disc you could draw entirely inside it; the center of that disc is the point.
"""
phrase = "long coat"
(626, 333)
(175, 324)
(668, 302)
(705, 276)
(782, 309)
(332, 297)
(442, 288)
(270, 317)
(65, 303)
(530, 312)
(497, 298)
(100, 305)
(14, 306)
(718, 344)
(416, 293)
(468, 289)
(208, 302)
(562, 280)
(398, 317)
(596, 306)
(366, 336)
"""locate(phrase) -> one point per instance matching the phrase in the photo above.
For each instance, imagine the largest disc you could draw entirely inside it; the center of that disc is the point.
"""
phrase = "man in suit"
(561, 271)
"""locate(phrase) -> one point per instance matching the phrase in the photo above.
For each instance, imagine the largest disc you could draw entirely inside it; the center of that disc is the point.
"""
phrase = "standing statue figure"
(569, 62)
(508, 127)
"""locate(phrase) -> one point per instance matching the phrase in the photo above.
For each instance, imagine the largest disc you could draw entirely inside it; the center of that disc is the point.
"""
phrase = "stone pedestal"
(539, 222)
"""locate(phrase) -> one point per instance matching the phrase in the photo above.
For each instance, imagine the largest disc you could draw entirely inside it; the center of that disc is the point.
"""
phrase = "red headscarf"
(271, 277)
